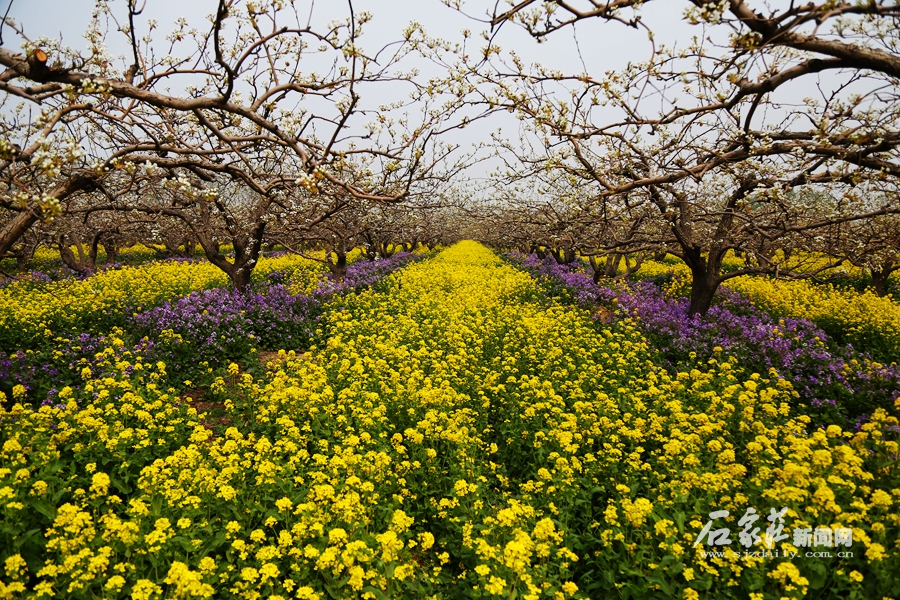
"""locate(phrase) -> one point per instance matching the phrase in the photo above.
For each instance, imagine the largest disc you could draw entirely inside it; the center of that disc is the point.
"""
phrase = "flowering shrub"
(449, 439)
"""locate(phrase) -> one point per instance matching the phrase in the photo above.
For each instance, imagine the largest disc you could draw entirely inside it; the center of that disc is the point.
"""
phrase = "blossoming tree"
(710, 135)
(267, 97)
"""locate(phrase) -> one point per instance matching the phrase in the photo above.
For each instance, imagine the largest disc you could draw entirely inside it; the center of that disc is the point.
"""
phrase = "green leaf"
(818, 574)
(375, 592)
(662, 583)
(679, 520)
(45, 508)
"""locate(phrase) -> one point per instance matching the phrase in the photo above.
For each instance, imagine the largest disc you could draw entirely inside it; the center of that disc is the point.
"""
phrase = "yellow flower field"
(31, 312)
(456, 436)
(865, 320)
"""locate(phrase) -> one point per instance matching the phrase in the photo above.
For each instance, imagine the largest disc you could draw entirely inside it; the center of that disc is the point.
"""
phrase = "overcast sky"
(603, 47)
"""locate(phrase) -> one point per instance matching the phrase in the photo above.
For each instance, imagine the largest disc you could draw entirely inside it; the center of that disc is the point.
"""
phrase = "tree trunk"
(95, 244)
(563, 256)
(631, 269)
(338, 267)
(702, 292)
(246, 255)
(82, 264)
(238, 275)
(705, 278)
(19, 224)
(79, 247)
(65, 253)
(880, 277)
(385, 250)
(112, 251)
(15, 229)
(22, 261)
(240, 278)
(612, 265)
(596, 268)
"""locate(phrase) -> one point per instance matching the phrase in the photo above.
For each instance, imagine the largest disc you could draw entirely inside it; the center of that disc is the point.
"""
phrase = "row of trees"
(83, 236)
(774, 130)
(264, 127)
(616, 248)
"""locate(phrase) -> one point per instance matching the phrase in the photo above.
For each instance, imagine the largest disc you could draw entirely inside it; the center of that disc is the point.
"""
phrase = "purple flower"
(220, 325)
(797, 349)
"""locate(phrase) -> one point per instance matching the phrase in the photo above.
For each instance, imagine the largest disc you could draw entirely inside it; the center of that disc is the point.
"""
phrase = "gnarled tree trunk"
(563, 256)
(386, 250)
(16, 228)
(705, 278)
(112, 250)
(338, 264)
(22, 222)
(880, 277)
(246, 255)
(80, 264)
(21, 261)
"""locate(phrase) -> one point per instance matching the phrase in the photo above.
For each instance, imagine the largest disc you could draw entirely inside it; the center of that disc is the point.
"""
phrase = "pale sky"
(603, 46)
